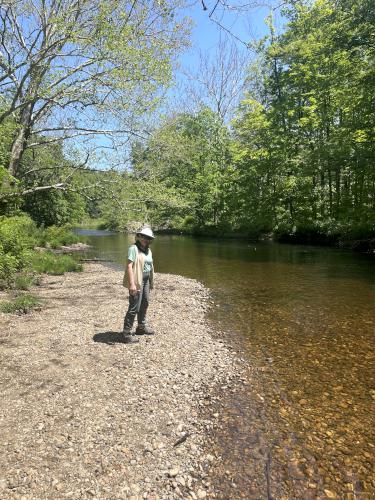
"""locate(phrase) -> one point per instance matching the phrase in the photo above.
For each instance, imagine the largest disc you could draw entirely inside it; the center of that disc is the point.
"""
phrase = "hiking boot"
(129, 338)
(144, 330)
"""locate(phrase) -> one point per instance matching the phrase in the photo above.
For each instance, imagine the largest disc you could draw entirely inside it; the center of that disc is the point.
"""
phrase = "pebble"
(135, 488)
(181, 481)
(173, 472)
(330, 494)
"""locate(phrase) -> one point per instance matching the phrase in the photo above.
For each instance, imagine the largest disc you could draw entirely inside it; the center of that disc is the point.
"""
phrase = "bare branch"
(213, 10)
(219, 80)
(90, 131)
(80, 166)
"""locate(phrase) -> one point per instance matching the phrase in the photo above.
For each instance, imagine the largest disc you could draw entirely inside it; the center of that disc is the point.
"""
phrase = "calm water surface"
(304, 317)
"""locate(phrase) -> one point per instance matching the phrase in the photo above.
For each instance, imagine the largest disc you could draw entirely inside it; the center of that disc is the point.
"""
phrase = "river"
(302, 425)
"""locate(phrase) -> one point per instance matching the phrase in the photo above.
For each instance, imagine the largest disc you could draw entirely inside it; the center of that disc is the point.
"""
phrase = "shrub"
(17, 234)
(23, 281)
(55, 237)
(22, 303)
(8, 268)
(49, 263)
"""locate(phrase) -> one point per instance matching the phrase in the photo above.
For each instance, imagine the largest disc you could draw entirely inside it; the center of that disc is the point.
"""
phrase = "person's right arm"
(132, 287)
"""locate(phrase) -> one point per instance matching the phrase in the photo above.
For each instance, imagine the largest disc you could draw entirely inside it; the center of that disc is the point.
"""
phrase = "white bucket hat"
(146, 231)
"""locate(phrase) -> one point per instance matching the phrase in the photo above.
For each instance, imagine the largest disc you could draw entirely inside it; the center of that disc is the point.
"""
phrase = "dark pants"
(138, 305)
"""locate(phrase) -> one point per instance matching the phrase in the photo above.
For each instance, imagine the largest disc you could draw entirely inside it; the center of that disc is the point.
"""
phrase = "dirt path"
(85, 416)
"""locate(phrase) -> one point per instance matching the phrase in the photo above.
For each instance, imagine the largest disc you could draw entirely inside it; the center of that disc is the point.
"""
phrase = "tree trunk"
(330, 191)
(338, 192)
(20, 141)
(322, 194)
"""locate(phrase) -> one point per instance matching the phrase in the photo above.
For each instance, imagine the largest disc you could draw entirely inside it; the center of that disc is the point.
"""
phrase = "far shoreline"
(362, 244)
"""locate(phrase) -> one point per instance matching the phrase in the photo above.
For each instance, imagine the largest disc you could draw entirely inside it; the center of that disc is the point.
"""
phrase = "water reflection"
(305, 319)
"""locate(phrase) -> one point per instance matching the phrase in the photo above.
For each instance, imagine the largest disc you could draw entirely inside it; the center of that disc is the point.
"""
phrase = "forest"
(293, 159)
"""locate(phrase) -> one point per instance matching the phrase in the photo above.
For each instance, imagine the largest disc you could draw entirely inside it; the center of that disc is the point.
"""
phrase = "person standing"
(139, 279)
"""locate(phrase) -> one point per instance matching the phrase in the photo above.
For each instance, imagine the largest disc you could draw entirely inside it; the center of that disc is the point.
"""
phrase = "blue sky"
(245, 26)
(239, 27)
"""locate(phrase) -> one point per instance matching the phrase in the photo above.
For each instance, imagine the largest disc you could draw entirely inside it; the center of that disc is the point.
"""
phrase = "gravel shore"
(86, 416)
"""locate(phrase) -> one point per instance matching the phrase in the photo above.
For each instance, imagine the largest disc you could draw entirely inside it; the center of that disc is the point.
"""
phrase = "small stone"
(173, 472)
(135, 489)
(180, 480)
(201, 494)
(330, 494)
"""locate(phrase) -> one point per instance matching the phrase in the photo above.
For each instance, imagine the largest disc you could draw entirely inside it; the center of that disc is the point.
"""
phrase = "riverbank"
(86, 416)
(360, 243)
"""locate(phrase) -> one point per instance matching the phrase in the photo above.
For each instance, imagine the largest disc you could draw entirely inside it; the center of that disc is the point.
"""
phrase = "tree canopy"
(296, 160)
(80, 69)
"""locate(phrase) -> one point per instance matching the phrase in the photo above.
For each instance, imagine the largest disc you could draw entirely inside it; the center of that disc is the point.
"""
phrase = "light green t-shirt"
(132, 255)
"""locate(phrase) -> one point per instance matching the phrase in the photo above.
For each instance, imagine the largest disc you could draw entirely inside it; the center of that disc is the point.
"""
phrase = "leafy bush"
(55, 237)
(48, 262)
(22, 303)
(8, 184)
(8, 268)
(54, 208)
(18, 237)
(17, 234)
(18, 260)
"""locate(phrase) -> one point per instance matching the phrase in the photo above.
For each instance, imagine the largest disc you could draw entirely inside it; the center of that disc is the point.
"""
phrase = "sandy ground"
(84, 415)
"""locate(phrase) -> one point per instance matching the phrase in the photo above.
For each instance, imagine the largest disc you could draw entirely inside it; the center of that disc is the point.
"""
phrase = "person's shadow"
(109, 338)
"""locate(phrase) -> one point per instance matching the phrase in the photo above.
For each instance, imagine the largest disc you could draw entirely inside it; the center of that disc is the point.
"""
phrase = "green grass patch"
(50, 263)
(22, 303)
(24, 281)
